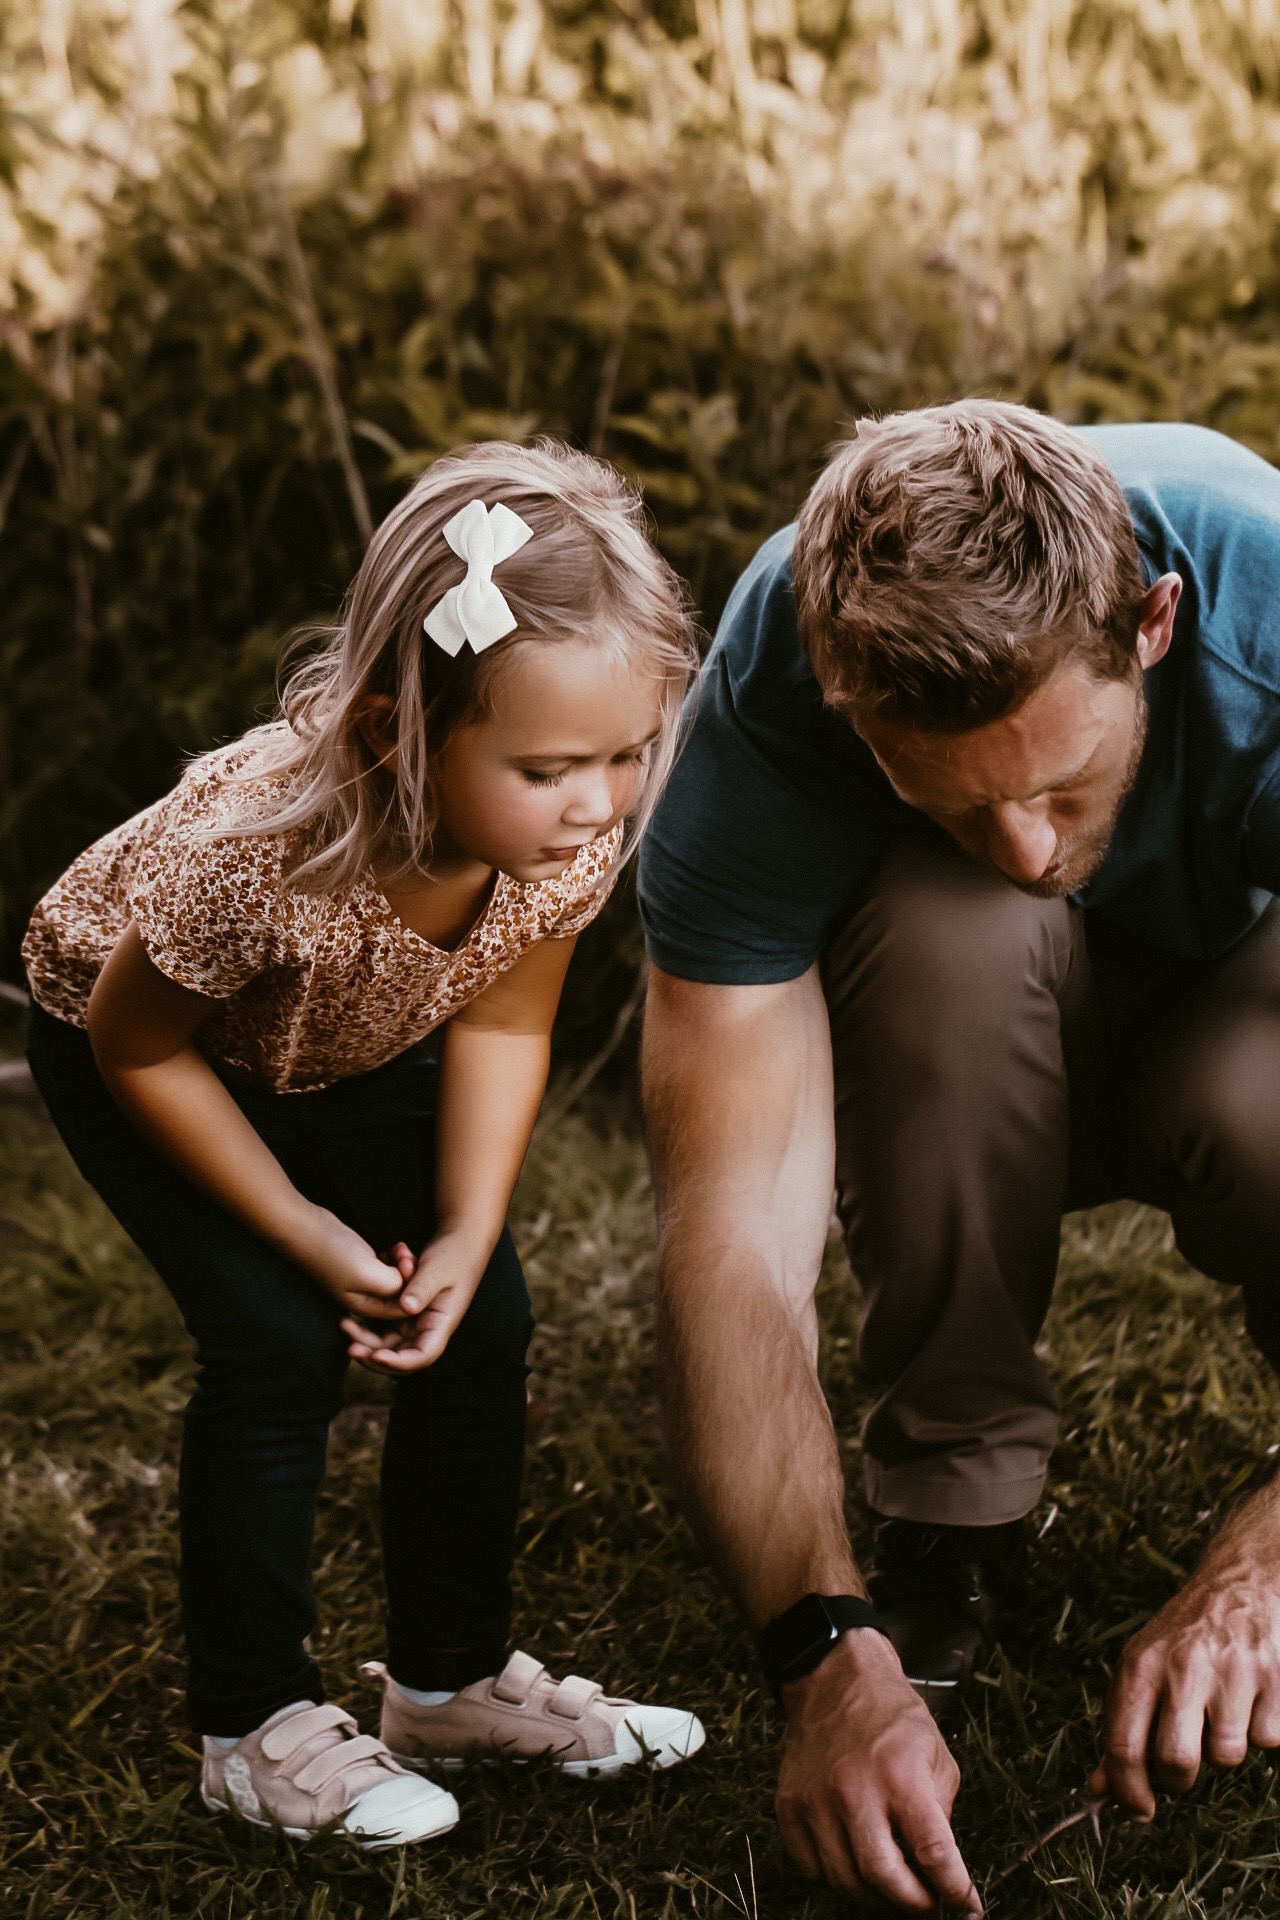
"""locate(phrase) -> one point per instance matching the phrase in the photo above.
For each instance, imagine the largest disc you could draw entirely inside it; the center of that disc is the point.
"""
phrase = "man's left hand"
(1201, 1680)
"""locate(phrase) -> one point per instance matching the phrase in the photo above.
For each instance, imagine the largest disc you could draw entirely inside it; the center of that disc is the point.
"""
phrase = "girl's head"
(516, 755)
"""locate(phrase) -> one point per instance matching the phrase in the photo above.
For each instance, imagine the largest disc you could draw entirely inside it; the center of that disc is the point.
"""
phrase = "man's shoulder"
(1207, 508)
(1205, 488)
(757, 645)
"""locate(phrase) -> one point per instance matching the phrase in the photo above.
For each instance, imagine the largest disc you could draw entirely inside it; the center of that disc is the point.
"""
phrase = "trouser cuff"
(949, 1501)
(445, 1668)
(241, 1713)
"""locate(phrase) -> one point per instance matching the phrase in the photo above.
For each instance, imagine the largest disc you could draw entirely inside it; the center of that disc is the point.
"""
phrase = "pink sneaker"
(309, 1767)
(523, 1714)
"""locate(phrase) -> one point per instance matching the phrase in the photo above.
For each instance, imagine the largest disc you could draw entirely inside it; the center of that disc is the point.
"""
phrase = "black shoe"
(940, 1592)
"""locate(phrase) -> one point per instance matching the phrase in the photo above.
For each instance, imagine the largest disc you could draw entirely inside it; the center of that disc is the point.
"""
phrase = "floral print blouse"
(312, 987)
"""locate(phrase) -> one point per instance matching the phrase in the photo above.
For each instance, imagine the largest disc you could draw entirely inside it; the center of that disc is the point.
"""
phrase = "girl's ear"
(375, 723)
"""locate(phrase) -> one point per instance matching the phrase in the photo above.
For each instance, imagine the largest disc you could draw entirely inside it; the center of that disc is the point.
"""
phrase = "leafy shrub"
(263, 355)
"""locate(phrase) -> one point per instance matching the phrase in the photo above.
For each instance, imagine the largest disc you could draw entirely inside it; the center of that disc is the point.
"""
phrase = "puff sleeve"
(206, 907)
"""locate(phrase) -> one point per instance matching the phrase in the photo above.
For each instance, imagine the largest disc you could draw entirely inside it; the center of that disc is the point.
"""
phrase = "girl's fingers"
(401, 1258)
(421, 1292)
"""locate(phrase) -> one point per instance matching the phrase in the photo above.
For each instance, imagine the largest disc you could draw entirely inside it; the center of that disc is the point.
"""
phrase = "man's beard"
(1079, 860)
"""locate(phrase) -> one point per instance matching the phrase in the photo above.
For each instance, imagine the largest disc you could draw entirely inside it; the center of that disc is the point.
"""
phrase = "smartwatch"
(797, 1641)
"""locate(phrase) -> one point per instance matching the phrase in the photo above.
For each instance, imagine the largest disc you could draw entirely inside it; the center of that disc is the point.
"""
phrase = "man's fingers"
(1178, 1745)
(878, 1860)
(931, 1849)
(835, 1861)
(1229, 1713)
(1264, 1722)
(797, 1839)
(1129, 1716)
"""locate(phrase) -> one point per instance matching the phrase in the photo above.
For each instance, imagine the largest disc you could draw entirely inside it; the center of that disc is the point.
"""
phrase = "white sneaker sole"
(404, 1836)
(668, 1753)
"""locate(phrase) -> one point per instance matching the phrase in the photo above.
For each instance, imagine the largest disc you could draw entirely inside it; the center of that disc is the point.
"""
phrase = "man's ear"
(1155, 629)
(375, 723)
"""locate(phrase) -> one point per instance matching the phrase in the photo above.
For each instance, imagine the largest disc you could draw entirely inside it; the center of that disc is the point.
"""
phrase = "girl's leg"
(450, 1491)
(270, 1364)
(455, 1437)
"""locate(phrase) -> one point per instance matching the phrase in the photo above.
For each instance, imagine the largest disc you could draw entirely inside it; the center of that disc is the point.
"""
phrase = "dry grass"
(1165, 1412)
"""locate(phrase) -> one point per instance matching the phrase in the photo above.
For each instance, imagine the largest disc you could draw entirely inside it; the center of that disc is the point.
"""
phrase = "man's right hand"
(867, 1785)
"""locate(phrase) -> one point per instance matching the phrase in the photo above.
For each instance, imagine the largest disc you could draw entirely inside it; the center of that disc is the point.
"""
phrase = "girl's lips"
(565, 853)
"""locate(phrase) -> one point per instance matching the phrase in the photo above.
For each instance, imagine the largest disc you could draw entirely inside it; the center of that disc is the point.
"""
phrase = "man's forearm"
(751, 1438)
(738, 1105)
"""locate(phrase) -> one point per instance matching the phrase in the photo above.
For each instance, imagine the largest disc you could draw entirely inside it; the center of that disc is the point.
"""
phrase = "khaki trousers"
(999, 1060)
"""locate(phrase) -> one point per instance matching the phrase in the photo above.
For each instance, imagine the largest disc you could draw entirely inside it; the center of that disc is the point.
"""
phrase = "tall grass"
(1167, 1412)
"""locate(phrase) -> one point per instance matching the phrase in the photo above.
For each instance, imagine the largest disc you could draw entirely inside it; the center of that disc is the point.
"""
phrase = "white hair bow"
(475, 610)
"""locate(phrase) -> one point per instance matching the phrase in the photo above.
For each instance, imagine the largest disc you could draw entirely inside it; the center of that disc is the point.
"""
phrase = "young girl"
(231, 998)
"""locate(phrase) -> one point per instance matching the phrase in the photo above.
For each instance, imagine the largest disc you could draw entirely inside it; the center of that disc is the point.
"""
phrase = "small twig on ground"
(1089, 1811)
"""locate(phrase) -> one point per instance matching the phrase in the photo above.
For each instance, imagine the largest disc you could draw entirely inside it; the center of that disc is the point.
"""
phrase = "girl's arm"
(141, 1026)
(493, 1075)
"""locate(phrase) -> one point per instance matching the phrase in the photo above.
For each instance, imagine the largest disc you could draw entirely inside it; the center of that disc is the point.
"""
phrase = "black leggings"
(271, 1359)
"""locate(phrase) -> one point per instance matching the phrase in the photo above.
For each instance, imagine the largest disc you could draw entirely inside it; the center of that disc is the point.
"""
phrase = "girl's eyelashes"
(633, 758)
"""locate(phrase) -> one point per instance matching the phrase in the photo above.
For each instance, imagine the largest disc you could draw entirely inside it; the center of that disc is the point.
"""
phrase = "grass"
(1166, 1411)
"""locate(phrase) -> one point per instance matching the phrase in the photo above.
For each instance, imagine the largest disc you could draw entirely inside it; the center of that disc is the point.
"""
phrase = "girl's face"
(554, 765)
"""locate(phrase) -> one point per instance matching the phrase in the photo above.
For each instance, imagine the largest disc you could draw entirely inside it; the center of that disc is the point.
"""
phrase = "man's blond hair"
(947, 560)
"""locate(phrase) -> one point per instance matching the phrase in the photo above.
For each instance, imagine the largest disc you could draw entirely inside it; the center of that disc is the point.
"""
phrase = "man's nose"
(1020, 841)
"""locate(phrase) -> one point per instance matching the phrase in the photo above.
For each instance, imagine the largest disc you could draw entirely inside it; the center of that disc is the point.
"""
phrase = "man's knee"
(942, 955)
(1211, 1120)
(1213, 1109)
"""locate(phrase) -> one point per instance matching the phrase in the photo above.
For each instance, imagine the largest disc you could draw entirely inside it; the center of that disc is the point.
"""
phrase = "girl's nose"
(591, 803)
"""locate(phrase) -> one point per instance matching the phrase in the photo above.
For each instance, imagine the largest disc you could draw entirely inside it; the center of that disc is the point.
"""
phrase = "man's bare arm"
(739, 1107)
(739, 1116)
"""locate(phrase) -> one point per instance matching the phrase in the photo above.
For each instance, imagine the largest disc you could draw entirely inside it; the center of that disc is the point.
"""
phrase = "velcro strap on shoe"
(321, 1769)
(301, 1727)
(573, 1696)
(517, 1680)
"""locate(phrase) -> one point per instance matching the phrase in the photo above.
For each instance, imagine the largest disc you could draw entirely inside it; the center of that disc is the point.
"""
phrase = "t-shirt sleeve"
(205, 908)
(772, 816)
(595, 875)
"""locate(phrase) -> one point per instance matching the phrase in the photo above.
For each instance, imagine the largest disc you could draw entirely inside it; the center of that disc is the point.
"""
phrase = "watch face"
(800, 1637)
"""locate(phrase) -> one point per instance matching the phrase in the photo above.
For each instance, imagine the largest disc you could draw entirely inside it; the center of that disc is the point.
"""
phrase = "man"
(959, 903)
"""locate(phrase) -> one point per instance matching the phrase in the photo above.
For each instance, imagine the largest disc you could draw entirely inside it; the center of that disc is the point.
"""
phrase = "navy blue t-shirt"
(777, 809)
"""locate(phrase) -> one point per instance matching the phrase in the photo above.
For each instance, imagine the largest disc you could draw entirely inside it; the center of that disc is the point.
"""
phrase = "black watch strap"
(797, 1641)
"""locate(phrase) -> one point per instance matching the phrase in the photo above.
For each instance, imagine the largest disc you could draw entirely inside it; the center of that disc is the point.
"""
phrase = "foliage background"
(261, 260)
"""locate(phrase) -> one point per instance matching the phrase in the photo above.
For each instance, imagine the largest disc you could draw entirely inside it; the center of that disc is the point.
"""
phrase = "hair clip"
(475, 610)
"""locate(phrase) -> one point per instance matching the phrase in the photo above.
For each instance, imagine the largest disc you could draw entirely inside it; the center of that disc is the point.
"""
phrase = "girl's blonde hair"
(589, 573)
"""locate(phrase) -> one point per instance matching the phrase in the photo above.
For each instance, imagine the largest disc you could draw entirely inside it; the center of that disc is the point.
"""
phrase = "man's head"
(970, 597)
